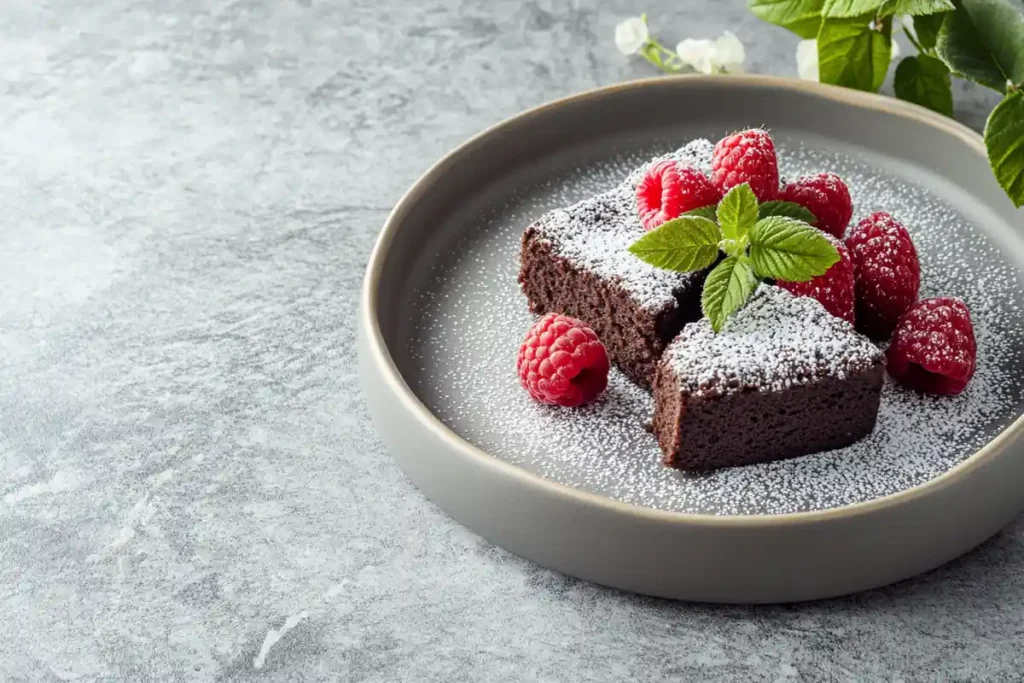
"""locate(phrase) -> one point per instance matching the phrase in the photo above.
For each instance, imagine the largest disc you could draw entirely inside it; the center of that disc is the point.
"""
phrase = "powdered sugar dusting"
(595, 234)
(696, 153)
(776, 341)
(472, 317)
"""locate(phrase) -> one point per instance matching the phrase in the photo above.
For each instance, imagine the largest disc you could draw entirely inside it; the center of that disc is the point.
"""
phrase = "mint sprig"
(759, 241)
(726, 289)
(683, 244)
(791, 250)
(787, 209)
(709, 212)
(737, 212)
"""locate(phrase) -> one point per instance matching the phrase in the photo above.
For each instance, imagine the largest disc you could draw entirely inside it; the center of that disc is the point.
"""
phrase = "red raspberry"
(670, 189)
(562, 362)
(826, 196)
(834, 289)
(887, 272)
(933, 348)
(747, 157)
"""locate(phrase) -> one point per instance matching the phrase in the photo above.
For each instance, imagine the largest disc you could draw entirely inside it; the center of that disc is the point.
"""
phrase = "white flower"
(729, 52)
(697, 53)
(631, 35)
(725, 53)
(807, 59)
(895, 50)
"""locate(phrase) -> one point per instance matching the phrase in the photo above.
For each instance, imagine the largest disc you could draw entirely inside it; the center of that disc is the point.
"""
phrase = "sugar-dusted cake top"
(776, 341)
(595, 234)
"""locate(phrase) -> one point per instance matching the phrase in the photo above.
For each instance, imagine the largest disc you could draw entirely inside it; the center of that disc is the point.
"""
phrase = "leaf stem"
(653, 52)
(913, 39)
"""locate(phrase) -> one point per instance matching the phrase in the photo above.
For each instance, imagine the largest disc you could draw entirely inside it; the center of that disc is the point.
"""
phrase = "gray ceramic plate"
(582, 491)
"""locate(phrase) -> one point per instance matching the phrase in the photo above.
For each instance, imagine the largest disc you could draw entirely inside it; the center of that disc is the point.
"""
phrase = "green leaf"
(737, 212)
(709, 212)
(1004, 140)
(916, 8)
(788, 209)
(802, 17)
(790, 250)
(983, 40)
(927, 29)
(726, 290)
(683, 244)
(852, 54)
(926, 81)
(845, 9)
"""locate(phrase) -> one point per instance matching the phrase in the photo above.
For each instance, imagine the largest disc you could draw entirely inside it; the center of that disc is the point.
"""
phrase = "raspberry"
(670, 189)
(747, 157)
(887, 273)
(933, 348)
(562, 362)
(834, 289)
(826, 196)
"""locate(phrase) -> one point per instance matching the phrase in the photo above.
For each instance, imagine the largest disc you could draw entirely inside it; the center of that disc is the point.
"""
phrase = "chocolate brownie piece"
(783, 378)
(575, 261)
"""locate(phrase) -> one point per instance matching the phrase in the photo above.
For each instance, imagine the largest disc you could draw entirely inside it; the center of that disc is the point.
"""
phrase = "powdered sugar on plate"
(472, 317)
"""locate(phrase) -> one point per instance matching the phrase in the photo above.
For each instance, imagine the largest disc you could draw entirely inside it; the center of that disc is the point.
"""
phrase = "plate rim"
(378, 354)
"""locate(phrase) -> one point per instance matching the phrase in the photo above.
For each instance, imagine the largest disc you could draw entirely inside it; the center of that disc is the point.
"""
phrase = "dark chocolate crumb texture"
(783, 378)
(575, 261)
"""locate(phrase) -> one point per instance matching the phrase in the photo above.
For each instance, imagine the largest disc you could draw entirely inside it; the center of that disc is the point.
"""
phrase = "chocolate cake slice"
(783, 378)
(575, 261)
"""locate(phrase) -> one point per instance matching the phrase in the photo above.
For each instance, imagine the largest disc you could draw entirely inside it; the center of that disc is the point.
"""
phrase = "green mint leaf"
(734, 247)
(726, 290)
(802, 17)
(845, 9)
(1004, 140)
(927, 29)
(709, 212)
(683, 244)
(917, 8)
(983, 40)
(788, 249)
(852, 54)
(787, 209)
(737, 212)
(926, 81)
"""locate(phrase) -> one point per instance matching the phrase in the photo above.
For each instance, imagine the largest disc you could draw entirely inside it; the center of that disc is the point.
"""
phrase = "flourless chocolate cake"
(783, 378)
(575, 261)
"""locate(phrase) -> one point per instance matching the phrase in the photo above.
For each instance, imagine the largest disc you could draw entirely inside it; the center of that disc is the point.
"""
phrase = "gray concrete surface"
(191, 488)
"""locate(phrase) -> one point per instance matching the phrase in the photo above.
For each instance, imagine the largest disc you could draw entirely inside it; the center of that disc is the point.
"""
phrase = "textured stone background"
(191, 489)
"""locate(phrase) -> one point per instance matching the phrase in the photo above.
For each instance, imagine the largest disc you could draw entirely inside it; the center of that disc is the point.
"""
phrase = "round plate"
(582, 491)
